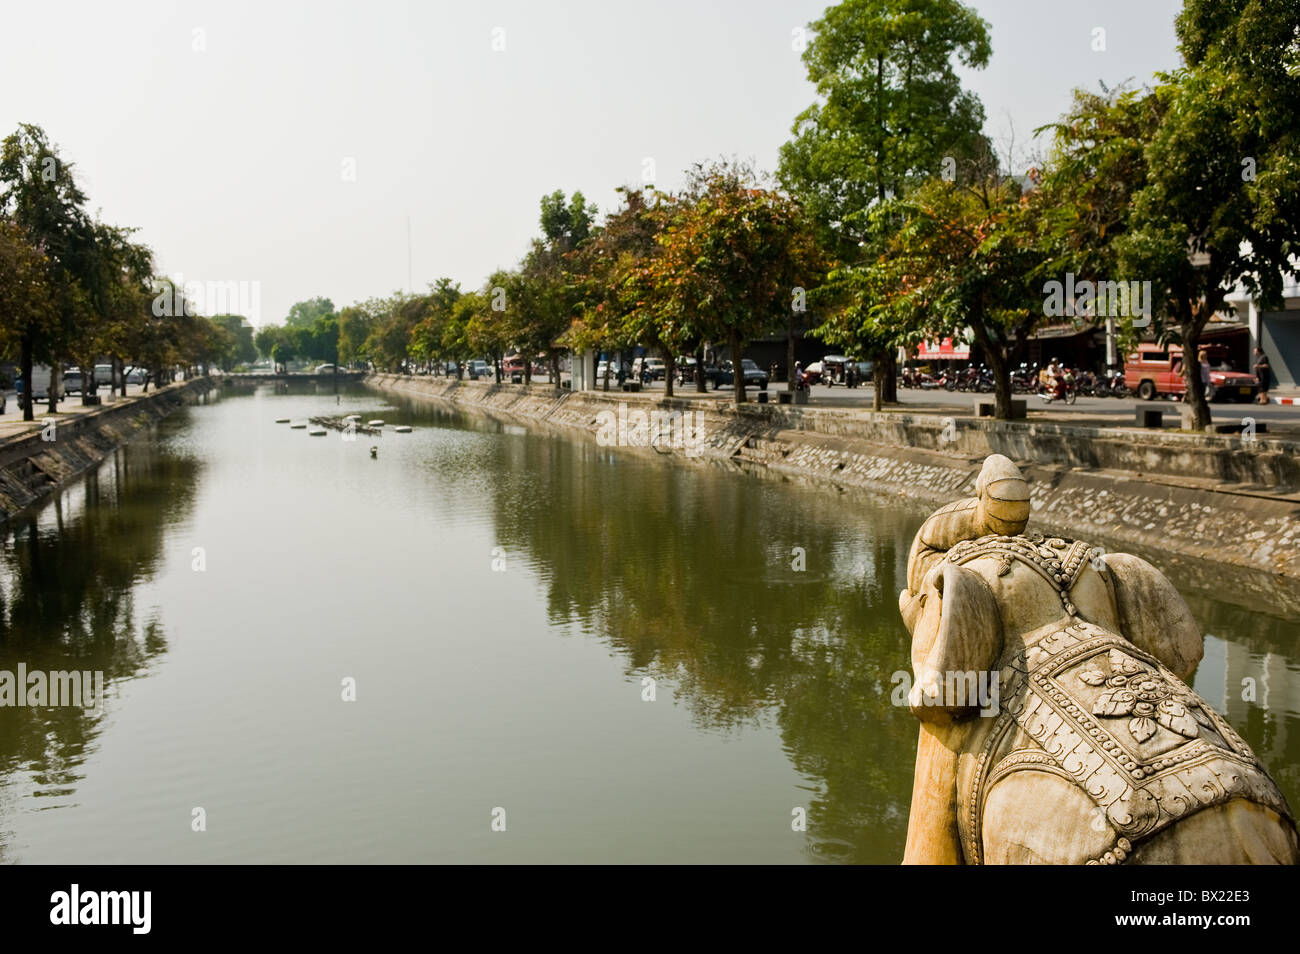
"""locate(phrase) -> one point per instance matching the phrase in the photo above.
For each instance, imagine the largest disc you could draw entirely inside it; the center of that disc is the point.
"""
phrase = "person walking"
(1263, 375)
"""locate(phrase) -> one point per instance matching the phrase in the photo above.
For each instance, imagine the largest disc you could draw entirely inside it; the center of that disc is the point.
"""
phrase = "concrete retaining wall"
(1212, 498)
(32, 467)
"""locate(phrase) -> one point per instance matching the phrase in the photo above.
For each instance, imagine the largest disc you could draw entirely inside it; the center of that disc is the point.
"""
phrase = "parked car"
(512, 367)
(1156, 369)
(652, 369)
(40, 385)
(754, 376)
(477, 369)
(325, 369)
(135, 375)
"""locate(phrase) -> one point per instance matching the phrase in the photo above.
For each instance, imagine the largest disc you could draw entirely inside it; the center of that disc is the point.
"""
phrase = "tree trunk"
(555, 370)
(737, 372)
(670, 371)
(890, 363)
(1198, 416)
(1001, 369)
(789, 356)
(56, 382)
(878, 383)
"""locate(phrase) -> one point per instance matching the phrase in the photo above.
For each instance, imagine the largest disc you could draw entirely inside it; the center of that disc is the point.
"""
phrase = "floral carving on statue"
(1131, 689)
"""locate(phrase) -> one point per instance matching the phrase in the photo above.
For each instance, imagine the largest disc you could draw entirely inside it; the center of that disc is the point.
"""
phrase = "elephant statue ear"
(958, 631)
(1152, 614)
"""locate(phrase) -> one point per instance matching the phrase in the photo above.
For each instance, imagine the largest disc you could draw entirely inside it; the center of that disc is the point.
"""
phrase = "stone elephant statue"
(1094, 749)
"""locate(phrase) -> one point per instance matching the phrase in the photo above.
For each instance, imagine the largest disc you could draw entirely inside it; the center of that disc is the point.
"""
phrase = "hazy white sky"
(225, 130)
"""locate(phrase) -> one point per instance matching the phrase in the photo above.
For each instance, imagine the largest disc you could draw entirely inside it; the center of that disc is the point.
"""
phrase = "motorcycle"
(1066, 389)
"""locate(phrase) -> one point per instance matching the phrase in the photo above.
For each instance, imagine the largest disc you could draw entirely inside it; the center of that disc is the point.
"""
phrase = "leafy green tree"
(26, 305)
(355, 325)
(478, 330)
(242, 350)
(963, 256)
(731, 257)
(616, 304)
(38, 191)
(305, 314)
(427, 336)
(890, 113)
(395, 318)
(544, 296)
(1219, 206)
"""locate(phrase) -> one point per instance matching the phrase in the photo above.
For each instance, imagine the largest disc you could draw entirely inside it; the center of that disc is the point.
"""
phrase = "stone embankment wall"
(1215, 499)
(32, 467)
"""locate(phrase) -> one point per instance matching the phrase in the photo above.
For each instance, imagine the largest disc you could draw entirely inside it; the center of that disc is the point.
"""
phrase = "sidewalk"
(12, 424)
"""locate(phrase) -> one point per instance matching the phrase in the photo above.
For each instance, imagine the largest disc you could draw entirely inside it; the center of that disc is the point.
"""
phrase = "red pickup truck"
(1158, 369)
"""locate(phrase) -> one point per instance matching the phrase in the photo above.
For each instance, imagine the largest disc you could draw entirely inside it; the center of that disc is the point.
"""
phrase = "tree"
(355, 325)
(543, 296)
(1097, 164)
(732, 256)
(242, 350)
(478, 330)
(26, 307)
(304, 314)
(277, 343)
(963, 256)
(427, 336)
(1219, 206)
(394, 318)
(41, 195)
(890, 113)
(616, 307)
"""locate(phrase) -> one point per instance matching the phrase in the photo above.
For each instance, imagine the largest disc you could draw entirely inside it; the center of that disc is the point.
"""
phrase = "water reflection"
(687, 572)
(67, 586)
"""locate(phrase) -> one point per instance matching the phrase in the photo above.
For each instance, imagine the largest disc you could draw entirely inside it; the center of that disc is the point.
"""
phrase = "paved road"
(1093, 410)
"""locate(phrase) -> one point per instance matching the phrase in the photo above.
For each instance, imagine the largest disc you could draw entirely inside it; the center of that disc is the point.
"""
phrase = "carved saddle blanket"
(1087, 705)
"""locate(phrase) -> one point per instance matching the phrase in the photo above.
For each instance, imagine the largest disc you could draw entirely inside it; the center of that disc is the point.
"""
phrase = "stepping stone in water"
(318, 432)
(297, 427)
(402, 429)
(282, 420)
(374, 423)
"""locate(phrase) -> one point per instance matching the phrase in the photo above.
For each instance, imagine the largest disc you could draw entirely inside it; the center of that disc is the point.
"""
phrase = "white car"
(324, 369)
